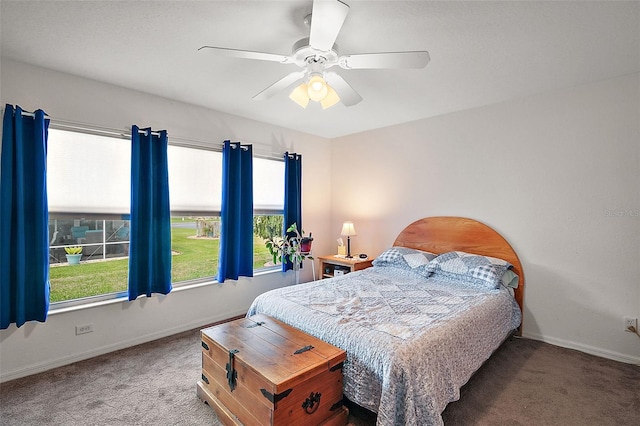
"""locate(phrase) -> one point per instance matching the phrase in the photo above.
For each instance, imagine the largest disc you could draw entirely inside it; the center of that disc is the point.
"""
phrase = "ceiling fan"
(318, 53)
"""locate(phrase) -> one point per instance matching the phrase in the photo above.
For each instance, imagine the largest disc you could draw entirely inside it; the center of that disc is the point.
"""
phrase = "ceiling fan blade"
(327, 17)
(279, 85)
(418, 59)
(348, 96)
(247, 54)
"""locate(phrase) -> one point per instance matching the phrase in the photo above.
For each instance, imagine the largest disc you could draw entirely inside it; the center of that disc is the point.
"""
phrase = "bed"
(414, 329)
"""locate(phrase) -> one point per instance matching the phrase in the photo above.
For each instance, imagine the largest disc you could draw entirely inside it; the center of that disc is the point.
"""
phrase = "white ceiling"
(481, 52)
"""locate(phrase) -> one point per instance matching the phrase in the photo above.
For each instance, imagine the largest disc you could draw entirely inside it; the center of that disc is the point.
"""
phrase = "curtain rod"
(28, 114)
(145, 132)
(62, 125)
(32, 114)
(173, 140)
(59, 124)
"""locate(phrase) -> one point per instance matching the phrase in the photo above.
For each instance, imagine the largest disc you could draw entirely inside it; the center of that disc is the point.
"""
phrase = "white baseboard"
(50, 364)
(603, 353)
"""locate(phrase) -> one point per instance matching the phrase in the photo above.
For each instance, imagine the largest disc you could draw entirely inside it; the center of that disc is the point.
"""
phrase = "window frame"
(172, 141)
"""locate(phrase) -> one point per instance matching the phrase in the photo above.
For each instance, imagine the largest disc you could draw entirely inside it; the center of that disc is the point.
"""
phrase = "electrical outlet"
(630, 323)
(83, 329)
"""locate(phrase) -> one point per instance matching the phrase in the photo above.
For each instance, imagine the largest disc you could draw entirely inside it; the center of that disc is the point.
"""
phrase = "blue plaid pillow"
(405, 258)
(476, 270)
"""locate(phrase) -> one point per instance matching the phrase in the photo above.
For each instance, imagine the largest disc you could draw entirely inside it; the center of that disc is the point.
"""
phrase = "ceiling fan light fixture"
(319, 52)
(317, 88)
(331, 99)
(300, 95)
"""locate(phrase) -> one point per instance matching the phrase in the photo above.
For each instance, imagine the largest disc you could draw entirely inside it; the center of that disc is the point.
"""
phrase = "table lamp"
(348, 230)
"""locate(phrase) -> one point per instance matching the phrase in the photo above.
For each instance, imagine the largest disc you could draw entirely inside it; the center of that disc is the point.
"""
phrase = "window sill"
(122, 297)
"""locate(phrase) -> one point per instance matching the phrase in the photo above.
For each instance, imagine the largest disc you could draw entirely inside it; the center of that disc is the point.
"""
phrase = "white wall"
(557, 174)
(38, 346)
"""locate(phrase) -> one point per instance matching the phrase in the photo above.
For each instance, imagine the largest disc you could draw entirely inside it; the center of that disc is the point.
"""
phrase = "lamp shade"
(348, 230)
(316, 89)
(300, 96)
(331, 99)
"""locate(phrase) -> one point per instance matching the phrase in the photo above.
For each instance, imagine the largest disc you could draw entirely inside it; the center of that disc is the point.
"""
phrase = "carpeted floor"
(525, 382)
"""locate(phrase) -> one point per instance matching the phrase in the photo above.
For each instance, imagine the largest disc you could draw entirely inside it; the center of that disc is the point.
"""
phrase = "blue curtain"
(292, 195)
(150, 228)
(24, 218)
(236, 232)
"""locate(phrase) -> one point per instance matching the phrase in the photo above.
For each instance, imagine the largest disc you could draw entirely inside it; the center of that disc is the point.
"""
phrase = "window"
(88, 180)
(268, 205)
(88, 186)
(195, 184)
(105, 256)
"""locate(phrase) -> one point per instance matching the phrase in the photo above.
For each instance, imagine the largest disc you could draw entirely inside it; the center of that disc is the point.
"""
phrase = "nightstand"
(329, 265)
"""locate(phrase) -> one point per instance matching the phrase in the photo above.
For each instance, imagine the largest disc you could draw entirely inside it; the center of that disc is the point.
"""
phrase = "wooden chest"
(260, 371)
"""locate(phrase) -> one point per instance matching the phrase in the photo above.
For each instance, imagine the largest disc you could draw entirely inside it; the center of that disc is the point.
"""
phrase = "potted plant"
(74, 254)
(294, 247)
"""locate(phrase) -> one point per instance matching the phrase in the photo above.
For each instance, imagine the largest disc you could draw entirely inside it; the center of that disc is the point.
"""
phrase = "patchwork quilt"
(411, 341)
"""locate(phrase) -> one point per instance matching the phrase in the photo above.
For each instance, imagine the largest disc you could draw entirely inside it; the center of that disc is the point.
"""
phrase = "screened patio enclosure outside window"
(99, 238)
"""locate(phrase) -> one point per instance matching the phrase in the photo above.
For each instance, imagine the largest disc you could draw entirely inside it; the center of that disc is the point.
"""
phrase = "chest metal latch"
(232, 374)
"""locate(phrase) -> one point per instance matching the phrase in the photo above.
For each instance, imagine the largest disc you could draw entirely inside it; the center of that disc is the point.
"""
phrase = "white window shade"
(195, 180)
(88, 173)
(268, 185)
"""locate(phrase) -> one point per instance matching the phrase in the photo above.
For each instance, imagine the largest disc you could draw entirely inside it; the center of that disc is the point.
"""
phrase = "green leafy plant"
(265, 226)
(73, 250)
(289, 248)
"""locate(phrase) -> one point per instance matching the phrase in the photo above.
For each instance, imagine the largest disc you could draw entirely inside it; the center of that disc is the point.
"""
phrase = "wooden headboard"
(440, 234)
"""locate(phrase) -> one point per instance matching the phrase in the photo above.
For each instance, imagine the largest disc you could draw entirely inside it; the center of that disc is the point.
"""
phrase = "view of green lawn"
(193, 258)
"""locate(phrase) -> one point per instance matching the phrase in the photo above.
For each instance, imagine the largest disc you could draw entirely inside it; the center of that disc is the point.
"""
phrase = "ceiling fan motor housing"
(304, 55)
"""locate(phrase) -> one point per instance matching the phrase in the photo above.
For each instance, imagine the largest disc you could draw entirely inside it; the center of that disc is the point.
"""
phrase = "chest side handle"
(312, 403)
